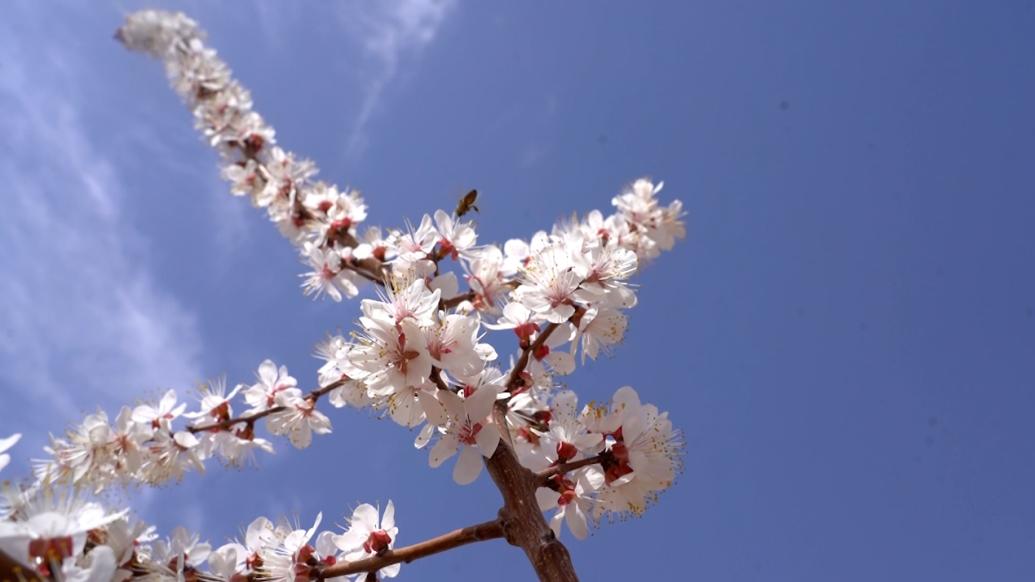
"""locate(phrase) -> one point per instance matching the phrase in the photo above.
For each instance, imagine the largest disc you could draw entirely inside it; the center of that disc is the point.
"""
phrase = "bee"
(466, 204)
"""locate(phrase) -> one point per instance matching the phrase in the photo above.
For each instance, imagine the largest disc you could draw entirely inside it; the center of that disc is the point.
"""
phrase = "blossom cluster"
(151, 442)
(602, 460)
(317, 217)
(65, 537)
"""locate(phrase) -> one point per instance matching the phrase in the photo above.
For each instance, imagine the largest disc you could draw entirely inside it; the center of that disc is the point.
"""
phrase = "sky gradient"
(846, 337)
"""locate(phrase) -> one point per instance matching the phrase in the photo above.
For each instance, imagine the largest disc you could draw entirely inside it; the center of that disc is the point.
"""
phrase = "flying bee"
(466, 204)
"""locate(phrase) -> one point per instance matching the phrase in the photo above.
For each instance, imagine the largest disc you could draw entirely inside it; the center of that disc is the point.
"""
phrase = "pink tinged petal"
(443, 449)
(388, 520)
(468, 466)
(488, 438)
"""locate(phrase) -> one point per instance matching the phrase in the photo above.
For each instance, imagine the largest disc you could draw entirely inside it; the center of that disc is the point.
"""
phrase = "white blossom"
(368, 535)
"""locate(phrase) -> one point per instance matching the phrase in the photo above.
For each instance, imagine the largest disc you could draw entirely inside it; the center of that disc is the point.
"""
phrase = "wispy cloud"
(388, 33)
(83, 321)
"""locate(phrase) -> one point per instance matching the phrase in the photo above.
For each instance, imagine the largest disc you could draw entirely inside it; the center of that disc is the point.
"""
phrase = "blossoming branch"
(421, 356)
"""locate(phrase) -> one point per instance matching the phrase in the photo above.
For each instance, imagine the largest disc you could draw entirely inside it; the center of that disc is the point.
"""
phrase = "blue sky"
(847, 336)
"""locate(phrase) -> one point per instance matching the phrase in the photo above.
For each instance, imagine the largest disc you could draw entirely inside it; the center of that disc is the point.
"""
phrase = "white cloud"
(388, 32)
(83, 321)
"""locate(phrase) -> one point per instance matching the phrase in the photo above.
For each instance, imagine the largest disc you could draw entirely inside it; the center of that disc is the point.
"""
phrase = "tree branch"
(13, 570)
(251, 418)
(523, 522)
(526, 352)
(488, 530)
(436, 377)
(454, 301)
(543, 476)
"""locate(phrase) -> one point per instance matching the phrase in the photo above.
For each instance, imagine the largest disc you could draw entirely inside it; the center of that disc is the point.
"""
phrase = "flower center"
(377, 542)
(469, 432)
(45, 551)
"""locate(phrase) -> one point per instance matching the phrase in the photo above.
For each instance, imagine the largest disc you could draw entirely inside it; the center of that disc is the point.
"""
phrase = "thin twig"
(488, 530)
(454, 301)
(522, 362)
(545, 475)
(313, 396)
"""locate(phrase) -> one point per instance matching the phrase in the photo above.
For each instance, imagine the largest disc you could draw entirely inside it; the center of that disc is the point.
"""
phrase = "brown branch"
(13, 570)
(526, 352)
(313, 396)
(523, 522)
(488, 530)
(454, 301)
(436, 377)
(545, 475)
(364, 272)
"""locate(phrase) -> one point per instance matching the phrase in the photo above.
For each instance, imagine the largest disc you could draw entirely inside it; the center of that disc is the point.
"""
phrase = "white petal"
(487, 439)
(443, 449)
(300, 436)
(268, 372)
(424, 436)
(388, 519)
(366, 515)
(468, 466)
(561, 362)
(576, 520)
(479, 404)
(9, 442)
